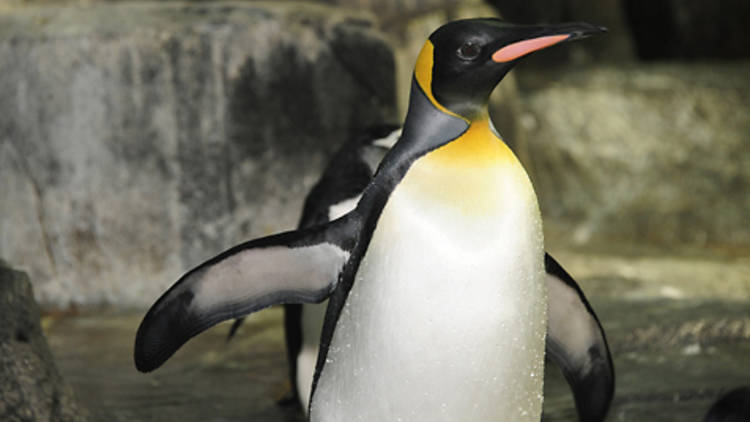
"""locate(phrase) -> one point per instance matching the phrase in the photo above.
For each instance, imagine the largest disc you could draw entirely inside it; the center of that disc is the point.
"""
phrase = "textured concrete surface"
(678, 327)
(31, 388)
(138, 139)
(673, 358)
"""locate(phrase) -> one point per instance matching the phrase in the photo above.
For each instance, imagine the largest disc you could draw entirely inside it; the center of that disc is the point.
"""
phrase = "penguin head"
(463, 61)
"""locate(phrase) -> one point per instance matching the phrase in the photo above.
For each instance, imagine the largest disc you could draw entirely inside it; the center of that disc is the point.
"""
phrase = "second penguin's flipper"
(235, 326)
(294, 267)
(577, 345)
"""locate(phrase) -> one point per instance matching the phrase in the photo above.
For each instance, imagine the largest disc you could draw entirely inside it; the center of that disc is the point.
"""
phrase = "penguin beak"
(535, 38)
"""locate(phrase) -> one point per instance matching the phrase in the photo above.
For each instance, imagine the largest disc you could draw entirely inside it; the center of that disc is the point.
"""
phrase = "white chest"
(447, 316)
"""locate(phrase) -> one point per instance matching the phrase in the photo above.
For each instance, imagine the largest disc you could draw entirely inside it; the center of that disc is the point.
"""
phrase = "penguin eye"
(469, 50)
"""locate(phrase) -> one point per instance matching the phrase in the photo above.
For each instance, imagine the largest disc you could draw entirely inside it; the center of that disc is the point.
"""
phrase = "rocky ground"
(676, 347)
(31, 387)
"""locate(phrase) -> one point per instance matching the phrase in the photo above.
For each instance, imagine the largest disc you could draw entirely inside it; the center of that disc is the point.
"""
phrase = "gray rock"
(396, 11)
(31, 388)
(652, 154)
(137, 140)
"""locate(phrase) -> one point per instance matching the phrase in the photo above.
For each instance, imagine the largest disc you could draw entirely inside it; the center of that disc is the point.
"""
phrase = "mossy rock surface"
(31, 388)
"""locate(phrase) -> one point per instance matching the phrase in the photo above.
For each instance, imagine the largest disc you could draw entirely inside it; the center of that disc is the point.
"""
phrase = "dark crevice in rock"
(22, 336)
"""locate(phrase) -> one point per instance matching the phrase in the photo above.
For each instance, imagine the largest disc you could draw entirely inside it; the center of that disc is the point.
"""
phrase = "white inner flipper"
(571, 325)
(259, 272)
(446, 320)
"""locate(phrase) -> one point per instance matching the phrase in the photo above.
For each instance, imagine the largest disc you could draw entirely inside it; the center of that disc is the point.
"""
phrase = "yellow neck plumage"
(475, 174)
(479, 145)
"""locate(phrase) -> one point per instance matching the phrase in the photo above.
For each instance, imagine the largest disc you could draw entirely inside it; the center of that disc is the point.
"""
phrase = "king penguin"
(436, 282)
(576, 342)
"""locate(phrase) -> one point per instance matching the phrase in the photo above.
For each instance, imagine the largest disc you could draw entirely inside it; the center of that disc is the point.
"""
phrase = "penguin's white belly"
(313, 316)
(446, 319)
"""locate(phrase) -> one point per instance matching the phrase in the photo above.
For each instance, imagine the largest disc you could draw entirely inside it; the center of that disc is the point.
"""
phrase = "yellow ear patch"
(423, 75)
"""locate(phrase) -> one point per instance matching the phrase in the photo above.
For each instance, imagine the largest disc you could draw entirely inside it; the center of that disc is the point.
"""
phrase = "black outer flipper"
(577, 345)
(294, 267)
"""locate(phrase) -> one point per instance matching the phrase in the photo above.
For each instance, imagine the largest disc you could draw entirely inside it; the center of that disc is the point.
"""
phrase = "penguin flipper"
(300, 266)
(233, 329)
(577, 345)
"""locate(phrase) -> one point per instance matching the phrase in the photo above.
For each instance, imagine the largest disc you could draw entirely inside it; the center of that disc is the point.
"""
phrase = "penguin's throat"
(476, 174)
(479, 146)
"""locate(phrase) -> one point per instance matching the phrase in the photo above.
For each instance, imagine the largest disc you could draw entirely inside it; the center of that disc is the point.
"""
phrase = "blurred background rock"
(139, 138)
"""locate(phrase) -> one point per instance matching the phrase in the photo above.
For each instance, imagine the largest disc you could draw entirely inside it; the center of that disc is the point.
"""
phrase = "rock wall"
(138, 139)
(651, 154)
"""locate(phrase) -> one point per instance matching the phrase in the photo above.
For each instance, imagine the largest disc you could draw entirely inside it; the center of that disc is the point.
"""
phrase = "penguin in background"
(576, 342)
(436, 279)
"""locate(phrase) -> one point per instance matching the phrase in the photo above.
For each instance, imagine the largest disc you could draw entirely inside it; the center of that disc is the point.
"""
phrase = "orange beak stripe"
(522, 48)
